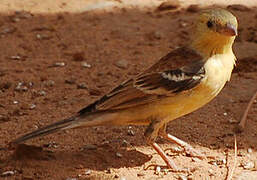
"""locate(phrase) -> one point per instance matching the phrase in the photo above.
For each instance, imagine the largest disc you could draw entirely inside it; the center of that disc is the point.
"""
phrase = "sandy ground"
(57, 57)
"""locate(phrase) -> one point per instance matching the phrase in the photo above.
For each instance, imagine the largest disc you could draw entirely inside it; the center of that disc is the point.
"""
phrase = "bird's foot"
(189, 150)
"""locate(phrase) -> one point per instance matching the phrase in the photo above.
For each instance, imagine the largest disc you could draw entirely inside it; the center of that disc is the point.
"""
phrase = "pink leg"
(188, 149)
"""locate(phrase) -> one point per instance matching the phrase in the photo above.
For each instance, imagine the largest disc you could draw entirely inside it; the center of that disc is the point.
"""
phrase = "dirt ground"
(52, 64)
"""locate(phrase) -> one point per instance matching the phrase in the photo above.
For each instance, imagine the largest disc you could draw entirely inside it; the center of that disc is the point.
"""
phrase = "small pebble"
(32, 106)
(225, 114)
(43, 36)
(42, 93)
(15, 57)
(232, 120)
(125, 143)
(59, 64)
(88, 172)
(85, 65)
(131, 132)
(249, 150)
(21, 87)
(7, 173)
(157, 170)
(122, 64)
(119, 155)
(15, 102)
(49, 83)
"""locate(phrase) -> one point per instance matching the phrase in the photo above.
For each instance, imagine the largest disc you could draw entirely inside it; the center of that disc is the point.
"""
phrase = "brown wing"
(161, 80)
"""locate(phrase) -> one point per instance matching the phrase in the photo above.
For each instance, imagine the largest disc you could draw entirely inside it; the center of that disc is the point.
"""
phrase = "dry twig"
(230, 173)
(243, 120)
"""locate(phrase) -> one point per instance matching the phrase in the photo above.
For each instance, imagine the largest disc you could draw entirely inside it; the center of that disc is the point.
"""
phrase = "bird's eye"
(209, 24)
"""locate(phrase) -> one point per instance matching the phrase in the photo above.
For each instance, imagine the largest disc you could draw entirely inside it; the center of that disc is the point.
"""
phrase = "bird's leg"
(188, 148)
(151, 134)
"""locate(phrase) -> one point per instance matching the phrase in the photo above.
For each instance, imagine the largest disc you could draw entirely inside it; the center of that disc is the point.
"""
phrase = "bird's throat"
(208, 46)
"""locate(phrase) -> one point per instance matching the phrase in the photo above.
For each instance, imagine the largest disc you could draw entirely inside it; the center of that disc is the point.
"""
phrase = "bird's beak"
(229, 30)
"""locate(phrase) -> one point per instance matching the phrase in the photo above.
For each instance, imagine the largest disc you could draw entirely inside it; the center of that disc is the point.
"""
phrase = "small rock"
(119, 155)
(59, 64)
(51, 145)
(125, 143)
(157, 170)
(32, 106)
(232, 121)
(15, 102)
(248, 165)
(43, 37)
(90, 147)
(131, 132)
(249, 150)
(49, 83)
(122, 63)
(193, 8)
(238, 7)
(42, 93)
(168, 5)
(225, 114)
(7, 173)
(21, 87)
(31, 84)
(82, 86)
(85, 65)
(15, 57)
(88, 172)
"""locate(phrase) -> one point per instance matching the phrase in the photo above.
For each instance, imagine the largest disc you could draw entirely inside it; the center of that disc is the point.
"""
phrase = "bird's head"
(215, 32)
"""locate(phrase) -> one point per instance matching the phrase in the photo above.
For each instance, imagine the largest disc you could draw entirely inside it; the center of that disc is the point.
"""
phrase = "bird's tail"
(69, 123)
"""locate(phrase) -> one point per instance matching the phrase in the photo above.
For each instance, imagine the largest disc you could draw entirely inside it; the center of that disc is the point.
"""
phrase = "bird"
(179, 83)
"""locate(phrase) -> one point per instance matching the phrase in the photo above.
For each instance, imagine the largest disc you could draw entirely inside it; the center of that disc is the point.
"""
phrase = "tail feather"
(60, 125)
(90, 120)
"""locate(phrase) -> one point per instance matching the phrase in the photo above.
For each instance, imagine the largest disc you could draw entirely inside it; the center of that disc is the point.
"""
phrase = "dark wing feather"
(152, 85)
